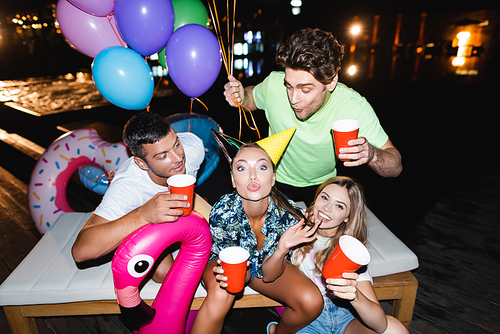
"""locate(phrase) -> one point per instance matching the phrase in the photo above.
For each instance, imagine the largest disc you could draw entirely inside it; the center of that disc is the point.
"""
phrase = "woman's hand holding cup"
(345, 287)
(234, 261)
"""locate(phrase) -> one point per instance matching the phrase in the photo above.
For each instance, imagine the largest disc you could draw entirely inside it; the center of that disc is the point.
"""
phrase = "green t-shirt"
(310, 156)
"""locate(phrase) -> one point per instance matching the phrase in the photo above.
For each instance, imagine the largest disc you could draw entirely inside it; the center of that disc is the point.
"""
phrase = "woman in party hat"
(260, 219)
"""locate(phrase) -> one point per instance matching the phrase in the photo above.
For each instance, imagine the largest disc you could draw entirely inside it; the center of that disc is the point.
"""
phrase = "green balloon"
(189, 12)
(186, 12)
(161, 57)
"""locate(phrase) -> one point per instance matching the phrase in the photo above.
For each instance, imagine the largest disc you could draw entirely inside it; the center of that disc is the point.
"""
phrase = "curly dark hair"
(313, 50)
(144, 128)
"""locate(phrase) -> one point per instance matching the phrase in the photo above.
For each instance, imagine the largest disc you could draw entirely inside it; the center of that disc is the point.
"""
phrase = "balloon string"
(203, 104)
(191, 109)
(156, 86)
(232, 40)
(116, 34)
(242, 110)
(190, 112)
(228, 39)
(228, 57)
(215, 20)
(97, 178)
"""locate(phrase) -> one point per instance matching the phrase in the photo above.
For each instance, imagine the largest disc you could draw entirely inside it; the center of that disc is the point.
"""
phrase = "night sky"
(348, 7)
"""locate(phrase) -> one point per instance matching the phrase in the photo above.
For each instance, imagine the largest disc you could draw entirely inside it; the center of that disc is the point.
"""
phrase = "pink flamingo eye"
(140, 265)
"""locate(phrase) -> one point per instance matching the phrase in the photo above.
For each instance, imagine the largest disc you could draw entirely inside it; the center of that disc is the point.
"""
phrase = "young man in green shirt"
(308, 95)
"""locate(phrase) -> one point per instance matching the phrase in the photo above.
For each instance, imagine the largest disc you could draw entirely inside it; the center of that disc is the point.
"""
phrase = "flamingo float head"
(135, 258)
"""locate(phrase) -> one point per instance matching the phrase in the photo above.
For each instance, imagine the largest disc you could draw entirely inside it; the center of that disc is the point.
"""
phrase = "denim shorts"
(333, 320)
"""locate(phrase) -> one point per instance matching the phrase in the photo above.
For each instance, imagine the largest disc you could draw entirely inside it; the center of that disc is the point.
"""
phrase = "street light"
(352, 70)
(296, 6)
(356, 29)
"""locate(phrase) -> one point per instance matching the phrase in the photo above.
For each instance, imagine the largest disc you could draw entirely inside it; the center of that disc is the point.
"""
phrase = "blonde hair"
(355, 226)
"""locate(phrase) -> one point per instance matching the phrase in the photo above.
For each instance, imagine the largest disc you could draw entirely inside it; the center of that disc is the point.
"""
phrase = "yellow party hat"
(276, 144)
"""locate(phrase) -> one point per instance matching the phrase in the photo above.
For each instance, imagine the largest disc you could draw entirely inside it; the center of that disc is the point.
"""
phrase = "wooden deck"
(457, 242)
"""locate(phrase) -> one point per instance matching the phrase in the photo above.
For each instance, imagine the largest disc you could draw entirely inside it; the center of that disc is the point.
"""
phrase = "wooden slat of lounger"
(402, 288)
(247, 301)
(111, 307)
(18, 322)
(386, 287)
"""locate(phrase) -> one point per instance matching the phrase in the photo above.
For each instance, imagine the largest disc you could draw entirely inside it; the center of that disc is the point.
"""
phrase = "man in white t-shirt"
(138, 194)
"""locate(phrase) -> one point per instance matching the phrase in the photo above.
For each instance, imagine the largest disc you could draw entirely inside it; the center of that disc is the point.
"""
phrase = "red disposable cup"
(349, 255)
(343, 131)
(234, 262)
(183, 184)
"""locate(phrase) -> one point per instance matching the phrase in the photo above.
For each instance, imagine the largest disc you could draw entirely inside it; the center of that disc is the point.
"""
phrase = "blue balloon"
(194, 59)
(123, 77)
(94, 178)
(145, 25)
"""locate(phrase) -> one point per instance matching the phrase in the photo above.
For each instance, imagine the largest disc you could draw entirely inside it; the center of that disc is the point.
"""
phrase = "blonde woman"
(339, 206)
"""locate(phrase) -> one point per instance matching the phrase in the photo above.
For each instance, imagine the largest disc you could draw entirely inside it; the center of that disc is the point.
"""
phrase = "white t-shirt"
(131, 186)
(307, 267)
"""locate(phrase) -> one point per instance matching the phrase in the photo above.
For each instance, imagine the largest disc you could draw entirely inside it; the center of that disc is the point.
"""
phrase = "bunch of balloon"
(120, 74)
(131, 30)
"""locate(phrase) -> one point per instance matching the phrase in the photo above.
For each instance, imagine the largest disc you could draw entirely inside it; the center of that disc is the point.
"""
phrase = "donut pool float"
(134, 259)
(47, 189)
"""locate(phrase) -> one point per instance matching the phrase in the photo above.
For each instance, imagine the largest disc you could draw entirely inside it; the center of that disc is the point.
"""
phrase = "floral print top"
(229, 226)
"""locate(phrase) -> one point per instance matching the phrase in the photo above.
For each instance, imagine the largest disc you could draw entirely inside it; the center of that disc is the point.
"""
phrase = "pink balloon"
(95, 7)
(87, 33)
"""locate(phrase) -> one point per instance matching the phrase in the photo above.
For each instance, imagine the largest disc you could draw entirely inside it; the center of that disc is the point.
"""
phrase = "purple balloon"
(146, 25)
(95, 7)
(194, 59)
(87, 33)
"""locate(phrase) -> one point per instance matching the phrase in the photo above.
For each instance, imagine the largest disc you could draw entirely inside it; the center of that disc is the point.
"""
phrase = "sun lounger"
(48, 282)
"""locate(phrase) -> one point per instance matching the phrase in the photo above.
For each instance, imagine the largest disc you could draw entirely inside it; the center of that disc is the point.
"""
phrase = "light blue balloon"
(123, 77)
(94, 178)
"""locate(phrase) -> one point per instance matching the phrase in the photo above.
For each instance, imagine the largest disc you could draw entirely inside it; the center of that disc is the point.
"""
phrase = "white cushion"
(49, 275)
(388, 254)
